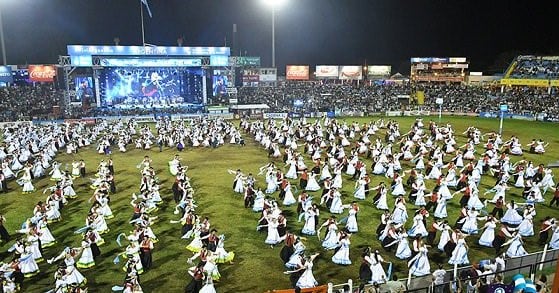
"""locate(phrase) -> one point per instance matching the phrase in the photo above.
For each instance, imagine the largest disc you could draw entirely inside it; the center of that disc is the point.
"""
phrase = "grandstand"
(528, 70)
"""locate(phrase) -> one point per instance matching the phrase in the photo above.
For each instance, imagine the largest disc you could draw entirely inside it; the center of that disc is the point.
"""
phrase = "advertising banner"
(6, 74)
(326, 71)
(75, 50)
(379, 70)
(268, 75)
(351, 72)
(526, 82)
(275, 115)
(297, 72)
(42, 73)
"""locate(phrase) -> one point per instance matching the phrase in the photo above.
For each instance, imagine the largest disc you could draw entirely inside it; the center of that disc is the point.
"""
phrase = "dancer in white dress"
(488, 234)
(306, 280)
(516, 248)
(341, 257)
(419, 264)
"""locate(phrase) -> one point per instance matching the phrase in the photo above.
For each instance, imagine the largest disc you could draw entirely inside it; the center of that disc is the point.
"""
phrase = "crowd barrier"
(15, 124)
(282, 115)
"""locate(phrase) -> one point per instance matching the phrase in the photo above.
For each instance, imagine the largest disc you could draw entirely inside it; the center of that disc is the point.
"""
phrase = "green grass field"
(257, 267)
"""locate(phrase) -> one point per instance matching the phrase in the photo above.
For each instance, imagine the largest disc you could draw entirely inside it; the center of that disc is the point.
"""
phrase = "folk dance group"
(30, 151)
(206, 245)
(201, 132)
(435, 156)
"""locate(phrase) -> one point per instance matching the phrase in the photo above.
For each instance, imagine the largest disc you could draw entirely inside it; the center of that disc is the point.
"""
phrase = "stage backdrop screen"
(157, 87)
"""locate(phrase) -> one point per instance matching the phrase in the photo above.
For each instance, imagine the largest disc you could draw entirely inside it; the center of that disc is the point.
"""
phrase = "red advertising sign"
(42, 73)
(297, 72)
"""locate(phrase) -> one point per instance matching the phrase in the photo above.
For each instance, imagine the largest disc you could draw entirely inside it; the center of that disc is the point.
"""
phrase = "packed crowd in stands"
(317, 96)
(25, 102)
(36, 102)
(536, 67)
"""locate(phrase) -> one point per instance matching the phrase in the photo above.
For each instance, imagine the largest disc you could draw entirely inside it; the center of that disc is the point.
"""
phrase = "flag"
(420, 96)
(145, 2)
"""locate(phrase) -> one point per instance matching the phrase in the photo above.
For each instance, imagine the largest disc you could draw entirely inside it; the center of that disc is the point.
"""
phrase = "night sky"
(345, 32)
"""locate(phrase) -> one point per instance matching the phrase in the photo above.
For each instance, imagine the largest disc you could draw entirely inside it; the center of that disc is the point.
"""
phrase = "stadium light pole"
(274, 4)
(2, 42)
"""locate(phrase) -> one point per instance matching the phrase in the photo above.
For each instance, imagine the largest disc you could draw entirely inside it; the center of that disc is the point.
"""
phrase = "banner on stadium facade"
(245, 61)
(297, 72)
(555, 83)
(417, 113)
(41, 73)
(379, 70)
(351, 72)
(326, 71)
(429, 60)
(6, 74)
(268, 74)
(275, 115)
(526, 82)
(393, 113)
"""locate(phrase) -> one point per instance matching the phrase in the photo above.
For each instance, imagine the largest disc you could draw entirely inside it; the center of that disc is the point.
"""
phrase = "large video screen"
(84, 90)
(220, 83)
(130, 87)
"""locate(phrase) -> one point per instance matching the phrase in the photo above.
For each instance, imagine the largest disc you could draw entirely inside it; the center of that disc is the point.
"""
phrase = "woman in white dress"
(292, 171)
(341, 256)
(488, 234)
(73, 276)
(359, 192)
(306, 280)
(258, 201)
(403, 250)
(499, 190)
(239, 182)
(400, 213)
(516, 248)
(310, 222)
(55, 173)
(377, 271)
(336, 207)
(351, 224)
(398, 188)
(86, 260)
(511, 217)
(325, 172)
(25, 181)
(445, 235)
(460, 253)
(27, 263)
(45, 235)
(470, 223)
(331, 239)
(419, 264)
(380, 199)
(288, 199)
(312, 184)
(526, 227)
(418, 227)
(174, 165)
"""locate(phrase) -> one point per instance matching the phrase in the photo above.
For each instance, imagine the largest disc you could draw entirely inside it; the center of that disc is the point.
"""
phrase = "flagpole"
(143, 30)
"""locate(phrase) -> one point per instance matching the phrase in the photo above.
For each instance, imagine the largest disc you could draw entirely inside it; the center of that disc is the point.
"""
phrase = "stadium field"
(257, 267)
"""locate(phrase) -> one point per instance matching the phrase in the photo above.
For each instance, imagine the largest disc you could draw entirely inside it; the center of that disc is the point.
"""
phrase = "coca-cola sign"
(297, 72)
(42, 73)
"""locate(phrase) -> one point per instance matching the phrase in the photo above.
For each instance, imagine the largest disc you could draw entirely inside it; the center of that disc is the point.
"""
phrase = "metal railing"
(527, 265)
